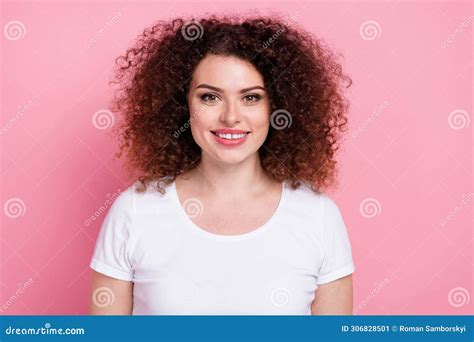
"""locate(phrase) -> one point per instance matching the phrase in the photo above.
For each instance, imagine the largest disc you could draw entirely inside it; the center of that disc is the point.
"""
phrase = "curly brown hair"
(301, 74)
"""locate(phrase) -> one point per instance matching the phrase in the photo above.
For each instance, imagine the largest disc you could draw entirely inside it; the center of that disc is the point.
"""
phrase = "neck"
(238, 179)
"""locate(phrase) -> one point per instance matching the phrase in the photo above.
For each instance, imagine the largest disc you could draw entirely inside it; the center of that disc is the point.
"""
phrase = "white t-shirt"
(180, 269)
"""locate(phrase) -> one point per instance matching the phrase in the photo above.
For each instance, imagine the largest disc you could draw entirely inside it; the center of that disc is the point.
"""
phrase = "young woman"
(230, 126)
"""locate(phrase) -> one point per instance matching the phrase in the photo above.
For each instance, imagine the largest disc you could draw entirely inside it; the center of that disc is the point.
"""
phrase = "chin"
(230, 157)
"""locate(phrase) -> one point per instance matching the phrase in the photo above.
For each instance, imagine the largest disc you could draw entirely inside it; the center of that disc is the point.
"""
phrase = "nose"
(230, 113)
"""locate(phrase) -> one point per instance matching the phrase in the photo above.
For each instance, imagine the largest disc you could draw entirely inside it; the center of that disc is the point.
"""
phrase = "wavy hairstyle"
(302, 76)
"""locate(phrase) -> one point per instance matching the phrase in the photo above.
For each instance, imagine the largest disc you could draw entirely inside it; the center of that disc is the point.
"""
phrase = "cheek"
(202, 119)
(194, 110)
(197, 113)
(259, 118)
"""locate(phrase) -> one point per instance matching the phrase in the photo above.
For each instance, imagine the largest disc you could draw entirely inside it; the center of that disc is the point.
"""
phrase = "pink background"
(406, 180)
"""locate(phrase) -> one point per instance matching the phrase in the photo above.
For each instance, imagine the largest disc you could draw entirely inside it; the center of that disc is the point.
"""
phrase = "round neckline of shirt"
(236, 237)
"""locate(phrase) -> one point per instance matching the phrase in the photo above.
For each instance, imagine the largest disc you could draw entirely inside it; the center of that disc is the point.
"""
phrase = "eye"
(250, 98)
(209, 97)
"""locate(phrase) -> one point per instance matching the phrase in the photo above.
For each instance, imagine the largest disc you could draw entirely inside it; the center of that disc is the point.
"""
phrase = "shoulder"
(308, 200)
(127, 197)
(149, 201)
(318, 212)
(121, 202)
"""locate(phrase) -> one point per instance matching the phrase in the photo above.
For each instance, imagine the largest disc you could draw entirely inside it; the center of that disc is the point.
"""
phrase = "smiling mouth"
(229, 136)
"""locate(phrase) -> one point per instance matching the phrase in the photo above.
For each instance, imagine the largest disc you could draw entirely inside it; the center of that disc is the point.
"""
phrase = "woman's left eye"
(252, 97)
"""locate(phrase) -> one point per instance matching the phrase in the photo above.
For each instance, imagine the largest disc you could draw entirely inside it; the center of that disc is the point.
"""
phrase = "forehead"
(226, 72)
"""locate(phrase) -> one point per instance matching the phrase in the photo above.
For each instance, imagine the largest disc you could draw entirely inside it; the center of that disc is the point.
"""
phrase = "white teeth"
(231, 136)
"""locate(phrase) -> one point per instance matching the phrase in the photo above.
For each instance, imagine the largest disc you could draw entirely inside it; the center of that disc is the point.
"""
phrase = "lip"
(230, 131)
(233, 142)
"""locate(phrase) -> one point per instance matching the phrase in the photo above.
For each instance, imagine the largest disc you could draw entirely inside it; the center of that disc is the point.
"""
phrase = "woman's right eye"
(208, 97)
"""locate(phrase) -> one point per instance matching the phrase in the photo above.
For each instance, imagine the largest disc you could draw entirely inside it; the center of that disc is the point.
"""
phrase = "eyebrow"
(220, 90)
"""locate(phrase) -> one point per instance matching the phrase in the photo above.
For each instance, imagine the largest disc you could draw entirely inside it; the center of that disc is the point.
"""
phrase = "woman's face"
(229, 108)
